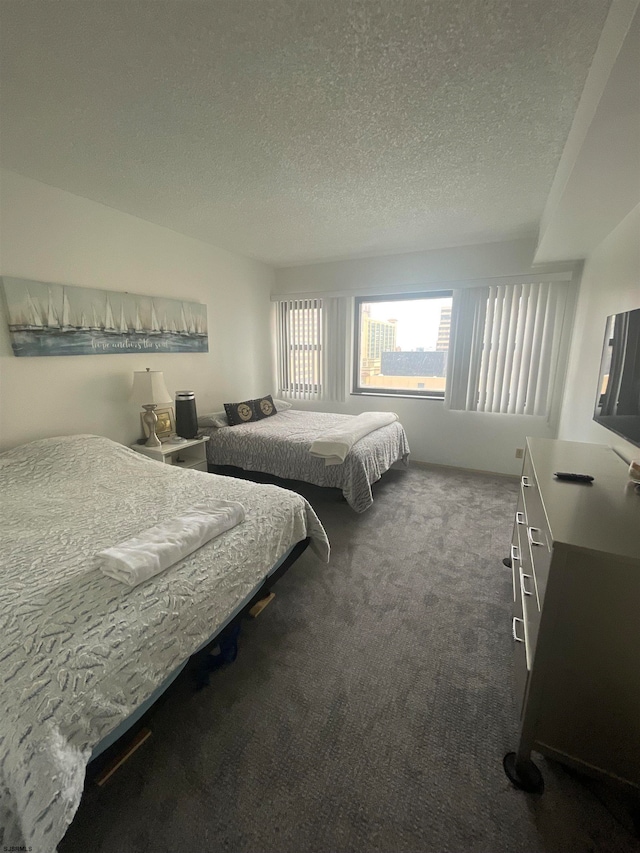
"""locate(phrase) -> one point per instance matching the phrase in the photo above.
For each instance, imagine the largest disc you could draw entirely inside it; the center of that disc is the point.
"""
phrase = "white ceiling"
(300, 130)
(598, 179)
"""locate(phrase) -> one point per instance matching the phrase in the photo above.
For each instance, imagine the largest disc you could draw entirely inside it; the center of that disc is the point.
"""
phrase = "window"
(402, 344)
(300, 348)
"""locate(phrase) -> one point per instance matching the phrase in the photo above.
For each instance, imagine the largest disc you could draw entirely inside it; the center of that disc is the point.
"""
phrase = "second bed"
(279, 445)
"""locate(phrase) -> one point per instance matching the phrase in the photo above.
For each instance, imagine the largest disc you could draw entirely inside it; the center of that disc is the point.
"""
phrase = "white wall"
(594, 210)
(51, 235)
(610, 284)
(429, 268)
(466, 439)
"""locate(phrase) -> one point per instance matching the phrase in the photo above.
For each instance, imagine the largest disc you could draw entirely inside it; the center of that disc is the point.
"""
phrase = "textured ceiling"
(300, 130)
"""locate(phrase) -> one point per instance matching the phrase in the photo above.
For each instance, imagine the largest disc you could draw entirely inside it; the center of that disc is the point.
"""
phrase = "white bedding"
(79, 651)
(154, 550)
(280, 445)
(334, 444)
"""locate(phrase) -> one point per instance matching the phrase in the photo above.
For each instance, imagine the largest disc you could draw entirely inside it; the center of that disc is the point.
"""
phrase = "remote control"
(574, 478)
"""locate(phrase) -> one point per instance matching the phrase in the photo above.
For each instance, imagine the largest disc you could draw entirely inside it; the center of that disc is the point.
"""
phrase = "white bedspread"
(79, 652)
(334, 444)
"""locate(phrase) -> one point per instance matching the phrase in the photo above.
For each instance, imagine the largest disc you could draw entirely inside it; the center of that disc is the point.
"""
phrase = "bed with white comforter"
(280, 445)
(80, 651)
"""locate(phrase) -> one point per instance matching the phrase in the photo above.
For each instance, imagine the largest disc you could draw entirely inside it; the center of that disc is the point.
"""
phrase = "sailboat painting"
(57, 319)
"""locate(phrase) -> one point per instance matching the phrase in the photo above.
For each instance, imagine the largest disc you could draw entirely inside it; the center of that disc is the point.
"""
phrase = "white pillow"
(281, 405)
(214, 419)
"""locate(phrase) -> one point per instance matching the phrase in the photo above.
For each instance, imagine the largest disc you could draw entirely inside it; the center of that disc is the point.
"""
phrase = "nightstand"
(189, 454)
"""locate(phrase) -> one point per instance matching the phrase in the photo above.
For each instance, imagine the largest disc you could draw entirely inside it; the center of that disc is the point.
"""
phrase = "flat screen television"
(618, 397)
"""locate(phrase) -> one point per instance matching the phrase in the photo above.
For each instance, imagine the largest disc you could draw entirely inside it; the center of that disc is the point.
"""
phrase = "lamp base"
(151, 419)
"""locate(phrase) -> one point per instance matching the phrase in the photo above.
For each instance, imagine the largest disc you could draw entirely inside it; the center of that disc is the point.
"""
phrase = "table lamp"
(149, 391)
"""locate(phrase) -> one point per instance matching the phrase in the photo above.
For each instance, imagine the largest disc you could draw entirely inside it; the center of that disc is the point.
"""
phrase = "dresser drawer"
(532, 501)
(520, 667)
(519, 523)
(538, 538)
(527, 589)
(539, 560)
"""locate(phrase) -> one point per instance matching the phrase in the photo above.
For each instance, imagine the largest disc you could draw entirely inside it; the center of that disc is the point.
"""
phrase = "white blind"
(505, 346)
(334, 348)
(468, 313)
(300, 335)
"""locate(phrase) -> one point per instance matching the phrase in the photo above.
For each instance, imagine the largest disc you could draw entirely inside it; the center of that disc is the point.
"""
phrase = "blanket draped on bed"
(334, 444)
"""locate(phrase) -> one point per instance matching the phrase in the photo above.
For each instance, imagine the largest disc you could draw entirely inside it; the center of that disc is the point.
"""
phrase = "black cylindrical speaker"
(186, 416)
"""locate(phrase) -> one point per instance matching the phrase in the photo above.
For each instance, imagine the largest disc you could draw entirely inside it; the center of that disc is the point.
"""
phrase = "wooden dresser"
(575, 558)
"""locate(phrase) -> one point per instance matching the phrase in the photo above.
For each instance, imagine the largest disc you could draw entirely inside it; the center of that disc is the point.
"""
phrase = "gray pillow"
(249, 411)
(219, 419)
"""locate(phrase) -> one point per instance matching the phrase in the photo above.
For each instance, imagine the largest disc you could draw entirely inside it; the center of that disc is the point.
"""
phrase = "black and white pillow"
(250, 410)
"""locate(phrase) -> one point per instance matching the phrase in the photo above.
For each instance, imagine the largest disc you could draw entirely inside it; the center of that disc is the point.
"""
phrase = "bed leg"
(259, 606)
(135, 744)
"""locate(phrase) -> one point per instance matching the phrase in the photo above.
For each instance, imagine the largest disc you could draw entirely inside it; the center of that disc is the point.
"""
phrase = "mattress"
(279, 445)
(80, 652)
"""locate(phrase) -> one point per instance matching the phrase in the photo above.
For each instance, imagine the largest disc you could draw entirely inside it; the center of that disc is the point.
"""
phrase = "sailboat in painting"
(53, 319)
(28, 318)
(155, 326)
(183, 321)
(123, 322)
(190, 327)
(109, 322)
(95, 325)
(66, 324)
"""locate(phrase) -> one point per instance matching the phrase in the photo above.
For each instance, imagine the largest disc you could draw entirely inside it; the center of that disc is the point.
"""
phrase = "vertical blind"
(505, 346)
(312, 348)
(300, 333)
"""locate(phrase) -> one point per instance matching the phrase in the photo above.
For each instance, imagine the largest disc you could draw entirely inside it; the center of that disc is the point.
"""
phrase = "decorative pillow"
(219, 419)
(250, 410)
(266, 406)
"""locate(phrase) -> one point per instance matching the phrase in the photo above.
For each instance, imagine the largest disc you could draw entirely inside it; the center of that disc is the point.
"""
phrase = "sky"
(418, 320)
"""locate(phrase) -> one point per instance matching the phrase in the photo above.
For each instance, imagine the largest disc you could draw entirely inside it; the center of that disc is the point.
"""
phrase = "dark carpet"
(369, 708)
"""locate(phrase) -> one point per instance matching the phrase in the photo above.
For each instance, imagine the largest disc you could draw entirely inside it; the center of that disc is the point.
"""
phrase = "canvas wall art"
(56, 319)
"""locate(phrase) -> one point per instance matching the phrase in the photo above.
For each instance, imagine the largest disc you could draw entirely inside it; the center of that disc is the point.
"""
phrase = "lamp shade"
(148, 387)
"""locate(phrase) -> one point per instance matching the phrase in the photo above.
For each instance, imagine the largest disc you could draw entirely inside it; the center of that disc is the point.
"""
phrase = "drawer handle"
(530, 536)
(526, 483)
(520, 519)
(515, 553)
(513, 629)
(523, 586)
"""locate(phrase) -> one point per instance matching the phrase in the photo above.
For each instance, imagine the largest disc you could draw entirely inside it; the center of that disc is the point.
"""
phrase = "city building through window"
(402, 343)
